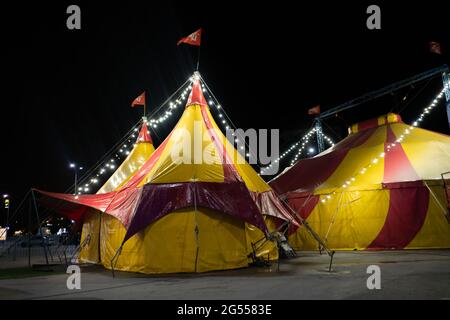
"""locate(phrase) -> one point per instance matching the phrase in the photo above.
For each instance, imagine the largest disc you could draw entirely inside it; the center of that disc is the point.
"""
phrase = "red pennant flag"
(139, 101)
(315, 110)
(435, 47)
(193, 39)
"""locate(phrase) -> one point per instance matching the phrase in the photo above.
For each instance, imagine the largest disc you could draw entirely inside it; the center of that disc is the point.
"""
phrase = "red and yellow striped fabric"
(398, 203)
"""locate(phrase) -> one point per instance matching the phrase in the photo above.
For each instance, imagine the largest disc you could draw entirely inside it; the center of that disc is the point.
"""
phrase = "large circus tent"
(158, 215)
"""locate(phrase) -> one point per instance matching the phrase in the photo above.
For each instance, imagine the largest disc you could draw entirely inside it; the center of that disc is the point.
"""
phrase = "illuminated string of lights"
(212, 102)
(310, 150)
(157, 118)
(328, 139)
(240, 142)
(349, 181)
(90, 181)
(300, 146)
(226, 122)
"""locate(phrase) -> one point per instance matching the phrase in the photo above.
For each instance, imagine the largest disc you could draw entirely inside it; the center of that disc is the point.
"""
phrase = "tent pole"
(436, 199)
(29, 233)
(39, 225)
(313, 233)
(198, 57)
(446, 82)
(331, 260)
(196, 225)
(99, 233)
(319, 135)
(145, 106)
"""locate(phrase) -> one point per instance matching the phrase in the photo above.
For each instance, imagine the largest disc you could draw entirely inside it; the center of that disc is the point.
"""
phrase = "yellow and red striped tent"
(379, 188)
(195, 205)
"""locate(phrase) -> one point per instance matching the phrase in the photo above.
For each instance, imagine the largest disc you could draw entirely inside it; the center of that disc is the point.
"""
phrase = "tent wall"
(90, 253)
(402, 218)
(435, 232)
(107, 234)
(169, 244)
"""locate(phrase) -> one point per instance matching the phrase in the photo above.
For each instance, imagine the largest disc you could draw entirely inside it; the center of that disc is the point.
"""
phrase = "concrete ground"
(404, 275)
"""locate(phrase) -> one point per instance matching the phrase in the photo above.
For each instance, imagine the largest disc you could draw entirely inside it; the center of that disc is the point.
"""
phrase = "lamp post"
(6, 201)
(75, 169)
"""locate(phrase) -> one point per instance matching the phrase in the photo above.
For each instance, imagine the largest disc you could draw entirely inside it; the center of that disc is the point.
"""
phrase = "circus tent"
(192, 216)
(379, 188)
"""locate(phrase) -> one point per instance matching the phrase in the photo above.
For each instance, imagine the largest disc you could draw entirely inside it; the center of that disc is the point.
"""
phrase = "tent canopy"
(423, 155)
(163, 184)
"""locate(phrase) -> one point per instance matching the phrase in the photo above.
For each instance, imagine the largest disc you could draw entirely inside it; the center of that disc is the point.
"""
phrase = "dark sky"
(66, 94)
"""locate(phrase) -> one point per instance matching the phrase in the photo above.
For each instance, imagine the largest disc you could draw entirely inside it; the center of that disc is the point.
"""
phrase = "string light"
(226, 126)
(389, 147)
(300, 147)
(157, 119)
(304, 142)
(287, 152)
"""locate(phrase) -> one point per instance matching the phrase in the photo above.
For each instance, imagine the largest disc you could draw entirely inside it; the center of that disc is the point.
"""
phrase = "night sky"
(66, 94)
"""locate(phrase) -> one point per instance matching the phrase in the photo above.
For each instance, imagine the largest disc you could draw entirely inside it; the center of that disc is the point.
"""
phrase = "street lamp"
(75, 169)
(7, 205)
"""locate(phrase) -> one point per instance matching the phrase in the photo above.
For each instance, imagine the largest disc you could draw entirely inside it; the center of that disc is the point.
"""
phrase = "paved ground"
(404, 275)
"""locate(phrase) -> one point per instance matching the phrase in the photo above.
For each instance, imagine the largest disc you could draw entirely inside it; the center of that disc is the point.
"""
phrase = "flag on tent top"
(314, 110)
(139, 101)
(435, 47)
(193, 39)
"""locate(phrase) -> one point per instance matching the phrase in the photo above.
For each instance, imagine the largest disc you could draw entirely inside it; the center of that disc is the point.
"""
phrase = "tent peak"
(196, 96)
(144, 134)
(375, 122)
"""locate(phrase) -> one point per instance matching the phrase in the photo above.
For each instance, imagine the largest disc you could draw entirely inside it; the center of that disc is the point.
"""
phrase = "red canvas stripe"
(397, 166)
(70, 210)
(229, 171)
(196, 96)
(308, 174)
(157, 200)
(407, 211)
(269, 204)
(403, 184)
(144, 134)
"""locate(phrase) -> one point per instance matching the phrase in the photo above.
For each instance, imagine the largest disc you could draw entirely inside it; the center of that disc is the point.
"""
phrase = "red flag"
(435, 47)
(139, 101)
(315, 110)
(192, 39)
